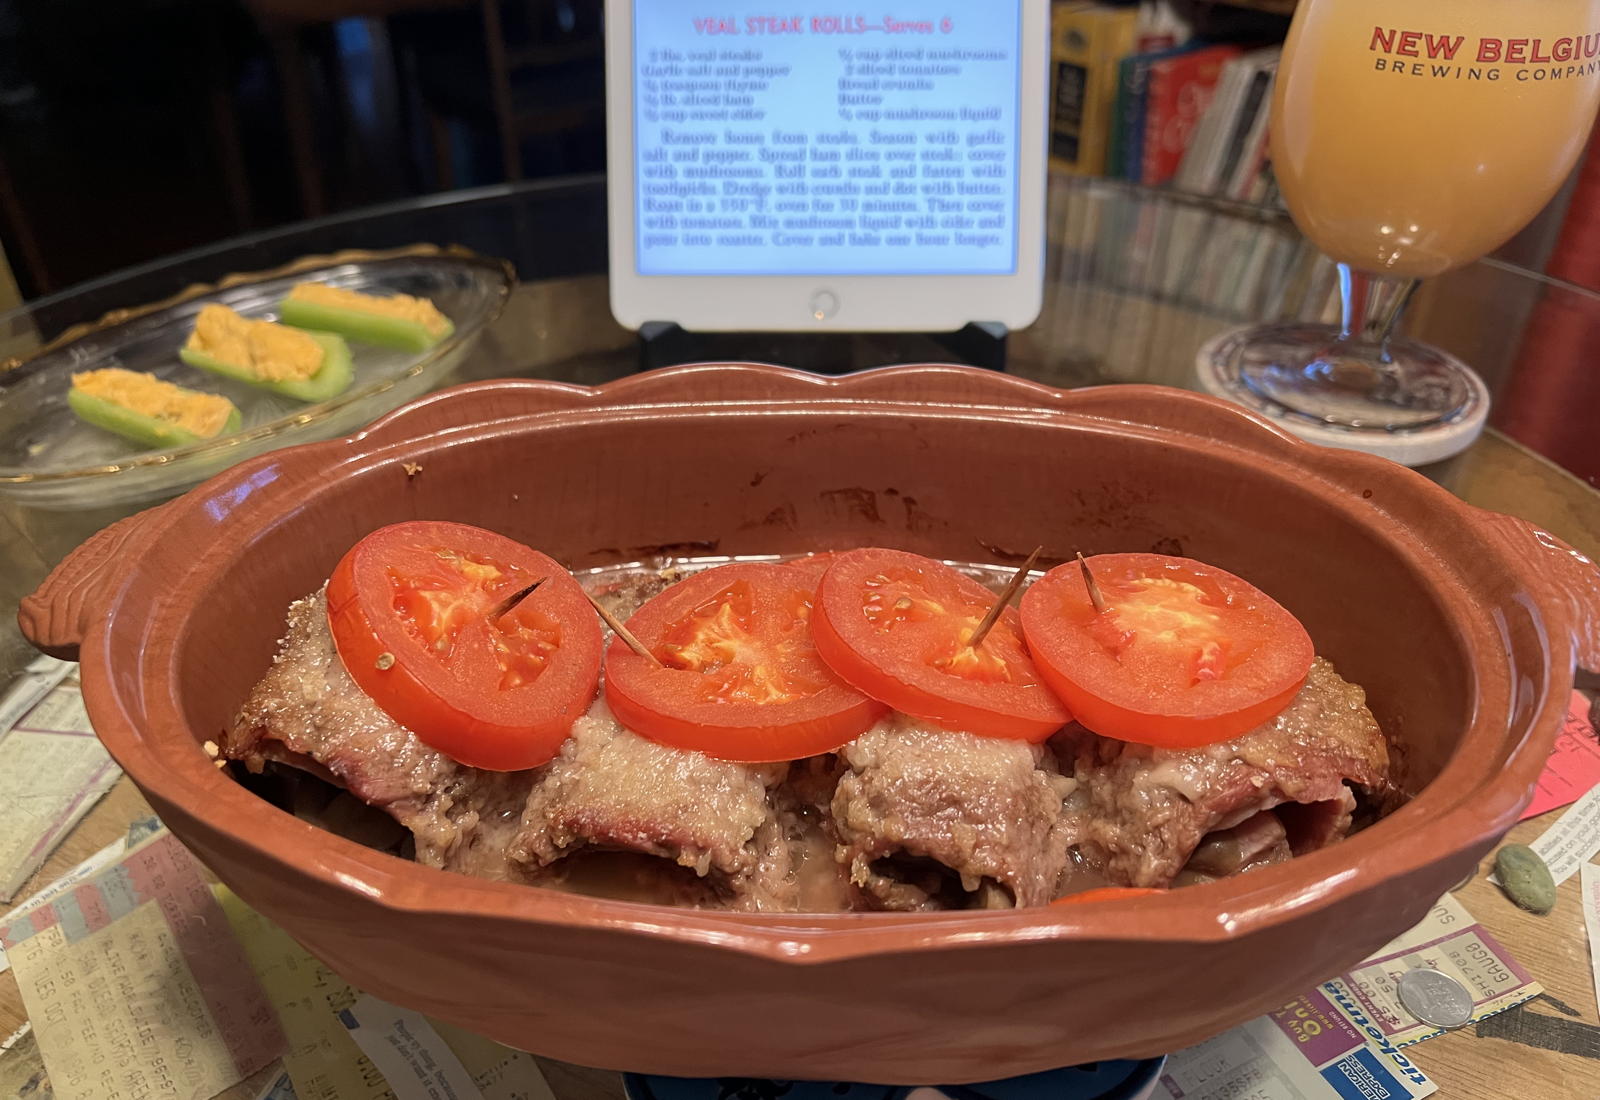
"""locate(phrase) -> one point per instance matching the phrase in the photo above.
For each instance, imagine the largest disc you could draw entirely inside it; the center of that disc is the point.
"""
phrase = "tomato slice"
(1184, 654)
(1107, 893)
(814, 564)
(895, 626)
(739, 677)
(409, 607)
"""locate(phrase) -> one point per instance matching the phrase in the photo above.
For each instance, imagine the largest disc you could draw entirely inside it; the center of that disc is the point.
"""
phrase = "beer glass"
(1408, 139)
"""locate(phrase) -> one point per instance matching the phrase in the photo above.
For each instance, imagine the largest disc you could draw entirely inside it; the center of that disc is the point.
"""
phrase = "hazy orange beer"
(1408, 139)
(1411, 138)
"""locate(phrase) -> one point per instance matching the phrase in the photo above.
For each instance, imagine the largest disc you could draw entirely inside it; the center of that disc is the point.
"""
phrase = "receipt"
(403, 1045)
(499, 1072)
(1572, 841)
(1447, 940)
(1591, 920)
(135, 986)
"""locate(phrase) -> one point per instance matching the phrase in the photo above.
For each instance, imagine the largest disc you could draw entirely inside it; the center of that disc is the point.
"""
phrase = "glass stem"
(1370, 308)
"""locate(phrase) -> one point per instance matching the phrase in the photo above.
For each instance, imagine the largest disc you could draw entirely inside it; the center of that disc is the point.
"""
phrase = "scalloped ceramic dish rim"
(198, 453)
(184, 777)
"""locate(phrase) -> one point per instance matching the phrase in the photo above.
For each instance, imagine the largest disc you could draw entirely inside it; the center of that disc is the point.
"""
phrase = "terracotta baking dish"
(1462, 625)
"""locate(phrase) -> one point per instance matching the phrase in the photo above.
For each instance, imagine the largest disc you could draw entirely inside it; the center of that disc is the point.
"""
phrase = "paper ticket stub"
(52, 771)
(136, 987)
(100, 860)
(322, 1060)
(1574, 765)
(1306, 1050)
(1447, 940)
(344, 1045)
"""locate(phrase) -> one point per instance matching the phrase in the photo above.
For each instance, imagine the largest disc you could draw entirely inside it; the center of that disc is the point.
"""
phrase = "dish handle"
(1566, 579)
(56, 616)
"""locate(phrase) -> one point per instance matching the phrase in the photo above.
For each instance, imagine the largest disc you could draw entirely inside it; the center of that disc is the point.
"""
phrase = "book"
(1178, 91)
(1132, 74)
(1117, 138)
(1252, 162)
(1228, 150)
(1252, 167)
(1087, 39)
(1198, 167)
(1068, 86)
(1244, 142)
(1133, 80)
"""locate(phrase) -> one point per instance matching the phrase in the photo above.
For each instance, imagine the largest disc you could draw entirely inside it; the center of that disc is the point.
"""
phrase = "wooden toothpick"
(622, 632)
(1004, 598)
(1088, 582)
(512, 600)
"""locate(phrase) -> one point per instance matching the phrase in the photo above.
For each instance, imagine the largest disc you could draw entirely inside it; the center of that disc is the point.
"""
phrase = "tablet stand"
(979, 344)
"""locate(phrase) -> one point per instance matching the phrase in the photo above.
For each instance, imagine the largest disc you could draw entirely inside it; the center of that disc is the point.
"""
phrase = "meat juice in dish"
(815, 735)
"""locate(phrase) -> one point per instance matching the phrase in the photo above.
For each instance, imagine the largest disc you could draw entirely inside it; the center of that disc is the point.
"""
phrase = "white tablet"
(848, 171)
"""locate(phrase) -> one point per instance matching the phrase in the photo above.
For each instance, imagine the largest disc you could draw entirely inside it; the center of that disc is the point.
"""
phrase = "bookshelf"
(1167, 93)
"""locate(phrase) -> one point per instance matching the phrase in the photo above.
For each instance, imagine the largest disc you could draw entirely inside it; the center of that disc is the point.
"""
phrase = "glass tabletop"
(1136, 280)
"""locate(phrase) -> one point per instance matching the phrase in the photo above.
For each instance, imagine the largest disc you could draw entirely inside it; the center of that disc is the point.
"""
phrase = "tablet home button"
(824, 304)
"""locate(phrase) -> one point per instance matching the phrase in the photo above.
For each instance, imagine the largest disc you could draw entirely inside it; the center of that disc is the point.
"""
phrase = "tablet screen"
(826, 144)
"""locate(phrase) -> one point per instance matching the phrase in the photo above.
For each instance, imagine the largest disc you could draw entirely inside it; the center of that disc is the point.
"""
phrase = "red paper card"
(1574, 764)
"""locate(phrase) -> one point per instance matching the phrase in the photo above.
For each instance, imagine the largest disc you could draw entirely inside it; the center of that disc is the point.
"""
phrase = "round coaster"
(1117, 1080)
(1409, 447)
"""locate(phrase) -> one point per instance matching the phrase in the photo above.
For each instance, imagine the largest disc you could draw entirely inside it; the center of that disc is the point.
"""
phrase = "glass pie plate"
(51, 460)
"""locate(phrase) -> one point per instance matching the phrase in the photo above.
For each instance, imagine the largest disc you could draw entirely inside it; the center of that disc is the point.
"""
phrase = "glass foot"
(1418, 405)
